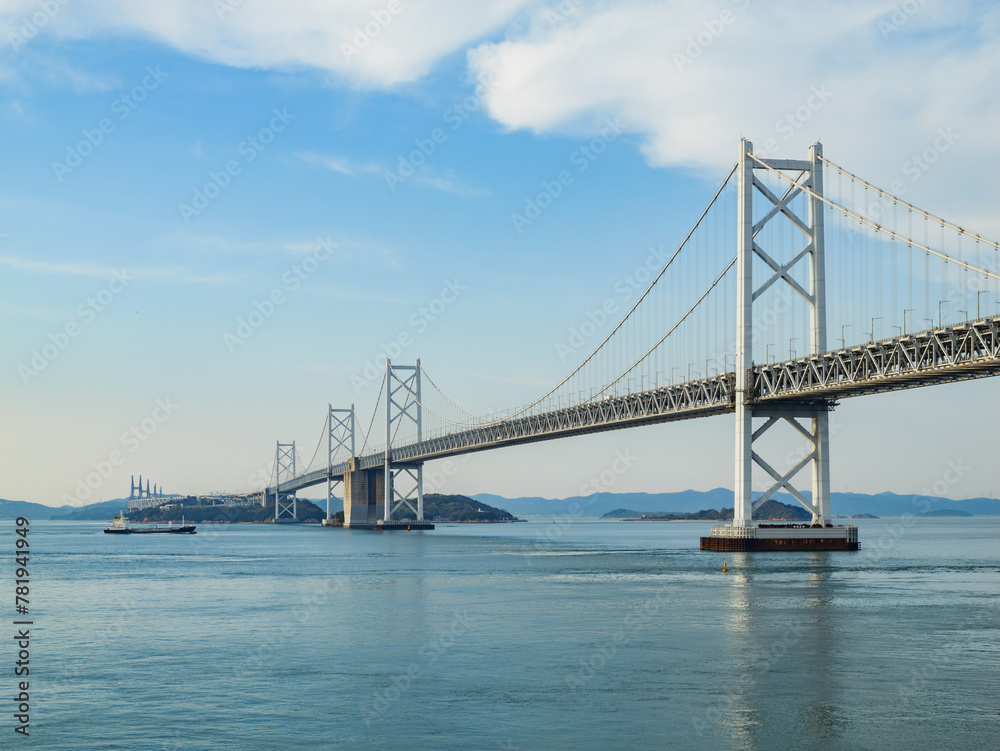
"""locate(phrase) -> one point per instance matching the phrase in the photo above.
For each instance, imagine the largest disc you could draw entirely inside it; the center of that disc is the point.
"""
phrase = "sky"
(344, 174)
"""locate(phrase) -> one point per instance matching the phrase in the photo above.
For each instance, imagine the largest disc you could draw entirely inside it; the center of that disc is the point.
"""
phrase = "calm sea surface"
(575, 634)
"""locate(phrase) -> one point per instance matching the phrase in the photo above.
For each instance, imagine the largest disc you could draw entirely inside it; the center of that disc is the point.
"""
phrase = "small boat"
(120, 526)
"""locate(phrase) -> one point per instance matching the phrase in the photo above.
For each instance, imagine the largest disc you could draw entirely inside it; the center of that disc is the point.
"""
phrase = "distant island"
(772, 511)
(188, 510)
(457, 508)
(946, 512)
(437, 508)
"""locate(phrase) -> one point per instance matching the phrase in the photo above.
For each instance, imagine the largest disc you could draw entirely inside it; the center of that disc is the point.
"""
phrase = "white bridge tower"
(811, 421)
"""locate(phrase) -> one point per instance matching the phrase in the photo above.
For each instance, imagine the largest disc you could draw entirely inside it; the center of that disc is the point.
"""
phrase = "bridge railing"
(958, 352)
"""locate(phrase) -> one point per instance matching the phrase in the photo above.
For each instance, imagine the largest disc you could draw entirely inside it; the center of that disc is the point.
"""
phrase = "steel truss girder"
(696, 399)
(960, 352)
(700, 398)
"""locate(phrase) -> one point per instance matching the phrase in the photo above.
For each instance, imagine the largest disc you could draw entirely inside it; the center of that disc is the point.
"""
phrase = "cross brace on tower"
(402, 404)
(809, 180)
(285, 509)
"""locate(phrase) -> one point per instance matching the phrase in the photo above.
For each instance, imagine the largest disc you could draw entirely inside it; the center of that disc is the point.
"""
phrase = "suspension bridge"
(788, 253)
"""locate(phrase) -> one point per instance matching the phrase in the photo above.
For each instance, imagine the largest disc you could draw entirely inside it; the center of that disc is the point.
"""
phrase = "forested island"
(437, 508)
(188, 510)
(457, 508)
(772, 511)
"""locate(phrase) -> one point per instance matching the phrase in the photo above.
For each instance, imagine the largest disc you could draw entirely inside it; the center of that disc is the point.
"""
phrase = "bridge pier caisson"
(364, 494)
(743, 535)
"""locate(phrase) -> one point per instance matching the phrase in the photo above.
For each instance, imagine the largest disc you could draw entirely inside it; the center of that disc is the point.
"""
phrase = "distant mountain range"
(102, 511)
(598, 504)
(691, 501)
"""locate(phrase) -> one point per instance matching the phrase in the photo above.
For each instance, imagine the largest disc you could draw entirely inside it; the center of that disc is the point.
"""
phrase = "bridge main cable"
(910, 206)
(878, 227)
(618, 327)
(672, 330)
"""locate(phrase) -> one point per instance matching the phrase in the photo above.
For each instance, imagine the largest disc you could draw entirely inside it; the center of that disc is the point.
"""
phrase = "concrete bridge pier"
(364, 496)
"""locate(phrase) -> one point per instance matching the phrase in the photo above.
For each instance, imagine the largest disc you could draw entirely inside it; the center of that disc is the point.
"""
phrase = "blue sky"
(300, 135)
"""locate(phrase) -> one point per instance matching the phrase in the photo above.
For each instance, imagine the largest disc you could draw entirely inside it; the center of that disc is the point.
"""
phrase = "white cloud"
(366, 42)
(85, 268)
(425, 177)
(340, 164)
(448, 183)
(70, 268)
(690, 81)
(332, 163)
(687, 78)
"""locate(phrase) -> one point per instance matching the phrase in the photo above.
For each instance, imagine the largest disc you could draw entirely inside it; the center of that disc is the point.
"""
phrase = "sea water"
(552, 634)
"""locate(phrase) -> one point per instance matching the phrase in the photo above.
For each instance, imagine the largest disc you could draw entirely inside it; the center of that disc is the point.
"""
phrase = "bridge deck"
(952, 353)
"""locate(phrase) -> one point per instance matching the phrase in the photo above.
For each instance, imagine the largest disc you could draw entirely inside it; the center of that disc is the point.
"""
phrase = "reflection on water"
(781, 640)
(614, 636)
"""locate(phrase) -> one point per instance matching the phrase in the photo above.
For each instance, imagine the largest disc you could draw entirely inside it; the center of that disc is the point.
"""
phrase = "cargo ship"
(120, 526)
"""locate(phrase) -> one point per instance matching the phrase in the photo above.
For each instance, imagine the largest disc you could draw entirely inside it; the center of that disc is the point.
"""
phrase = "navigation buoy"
(724, 569)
